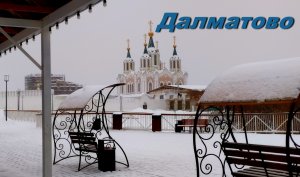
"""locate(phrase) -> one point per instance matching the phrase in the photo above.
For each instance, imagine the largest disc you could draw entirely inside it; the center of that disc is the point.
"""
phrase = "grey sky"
(91, 50)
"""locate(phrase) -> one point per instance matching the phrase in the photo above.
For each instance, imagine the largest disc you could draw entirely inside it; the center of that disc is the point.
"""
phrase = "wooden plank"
(279, 157)
(25, 8)
(256, 147)
(271, 165)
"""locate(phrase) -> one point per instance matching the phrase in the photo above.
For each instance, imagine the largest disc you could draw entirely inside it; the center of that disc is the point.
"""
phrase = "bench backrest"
(273, 157)
(191, 122)
(82, 138)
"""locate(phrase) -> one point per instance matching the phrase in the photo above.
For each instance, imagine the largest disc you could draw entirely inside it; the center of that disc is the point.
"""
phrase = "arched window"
(148, 63)
(132, 88)
(144, 63)
(139, 87)
(161, 84)
(150, 86)
(155, 60)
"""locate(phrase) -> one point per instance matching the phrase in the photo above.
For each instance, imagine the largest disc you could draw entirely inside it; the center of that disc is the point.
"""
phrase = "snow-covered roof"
(277, 80)
(80, 98)
(191, 87)
(199, 88)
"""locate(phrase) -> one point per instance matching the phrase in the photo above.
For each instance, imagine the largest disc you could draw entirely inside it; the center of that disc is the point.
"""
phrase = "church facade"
(151, 72)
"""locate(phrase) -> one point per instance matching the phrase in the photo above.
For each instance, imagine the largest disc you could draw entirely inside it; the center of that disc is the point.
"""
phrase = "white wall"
(132, 102)
(28, 100)
(32, 100)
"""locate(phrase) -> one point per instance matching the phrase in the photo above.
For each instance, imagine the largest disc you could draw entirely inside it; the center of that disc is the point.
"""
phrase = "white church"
(152, 72)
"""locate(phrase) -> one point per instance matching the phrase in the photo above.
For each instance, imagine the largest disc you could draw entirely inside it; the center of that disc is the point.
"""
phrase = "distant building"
(179, 97)
(152, 72)
(58, 84)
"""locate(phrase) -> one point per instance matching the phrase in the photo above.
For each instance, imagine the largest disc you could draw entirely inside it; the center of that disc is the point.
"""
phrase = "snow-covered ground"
(159, 154)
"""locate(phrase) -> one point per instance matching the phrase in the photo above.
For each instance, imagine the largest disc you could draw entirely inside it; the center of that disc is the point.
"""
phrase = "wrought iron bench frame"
(68, 123)
(221, 121)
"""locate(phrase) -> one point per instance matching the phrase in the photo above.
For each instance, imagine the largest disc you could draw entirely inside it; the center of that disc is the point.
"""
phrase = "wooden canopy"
(23, 19)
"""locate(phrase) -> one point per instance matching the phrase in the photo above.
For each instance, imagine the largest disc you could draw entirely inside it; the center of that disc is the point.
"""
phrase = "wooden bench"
(86, 142)
(261, 160)
(189, 123)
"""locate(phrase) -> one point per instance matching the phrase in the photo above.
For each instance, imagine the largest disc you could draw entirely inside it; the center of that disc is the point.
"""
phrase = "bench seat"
(262, 160)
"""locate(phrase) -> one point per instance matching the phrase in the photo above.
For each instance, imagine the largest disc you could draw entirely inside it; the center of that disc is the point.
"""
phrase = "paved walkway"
(150, 154)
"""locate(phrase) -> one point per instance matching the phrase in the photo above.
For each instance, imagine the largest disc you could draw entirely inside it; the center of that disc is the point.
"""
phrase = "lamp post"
(6, 79)
(18, 94)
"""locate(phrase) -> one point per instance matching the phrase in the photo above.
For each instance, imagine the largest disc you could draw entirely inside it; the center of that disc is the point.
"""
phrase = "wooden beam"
(25, 8)
(11, 31)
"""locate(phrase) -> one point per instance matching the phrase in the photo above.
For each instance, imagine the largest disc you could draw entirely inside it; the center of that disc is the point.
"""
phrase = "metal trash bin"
(177, 128)
(106, 156)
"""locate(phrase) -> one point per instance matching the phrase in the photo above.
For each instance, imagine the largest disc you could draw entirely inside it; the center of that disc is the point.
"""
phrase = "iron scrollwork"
(207, 144)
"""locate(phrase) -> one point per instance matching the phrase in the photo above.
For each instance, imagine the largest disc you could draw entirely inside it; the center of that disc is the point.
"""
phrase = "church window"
(161, 84)
(131, 66)
(150, 86)
(148, 63)
(139, 87)
(155, 60)
(132, 88)
(174, 64)
(178, 65)
(144, 63)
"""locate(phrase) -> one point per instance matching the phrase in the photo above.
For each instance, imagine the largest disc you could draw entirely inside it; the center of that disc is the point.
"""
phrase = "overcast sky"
(90, 50)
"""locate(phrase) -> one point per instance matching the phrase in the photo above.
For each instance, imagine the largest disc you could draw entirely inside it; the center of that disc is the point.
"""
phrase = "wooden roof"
(23, 19)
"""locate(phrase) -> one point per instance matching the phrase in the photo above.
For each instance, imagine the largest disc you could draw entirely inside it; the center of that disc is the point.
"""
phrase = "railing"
(137, 121)
(168, 121)
(255, 122)
(266, 123)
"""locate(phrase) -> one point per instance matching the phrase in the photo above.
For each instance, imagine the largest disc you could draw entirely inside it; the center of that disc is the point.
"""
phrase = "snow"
(261, 81)
(159, 154)
(80, 98)
(152, 50)
(191, 87)
(145, 56)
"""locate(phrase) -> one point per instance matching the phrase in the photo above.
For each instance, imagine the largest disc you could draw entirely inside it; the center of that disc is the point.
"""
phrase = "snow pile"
(261, 81)
(80, 98)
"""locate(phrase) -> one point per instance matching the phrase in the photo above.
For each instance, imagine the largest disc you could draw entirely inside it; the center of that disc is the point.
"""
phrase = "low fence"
(261, 123)
(266, 123)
